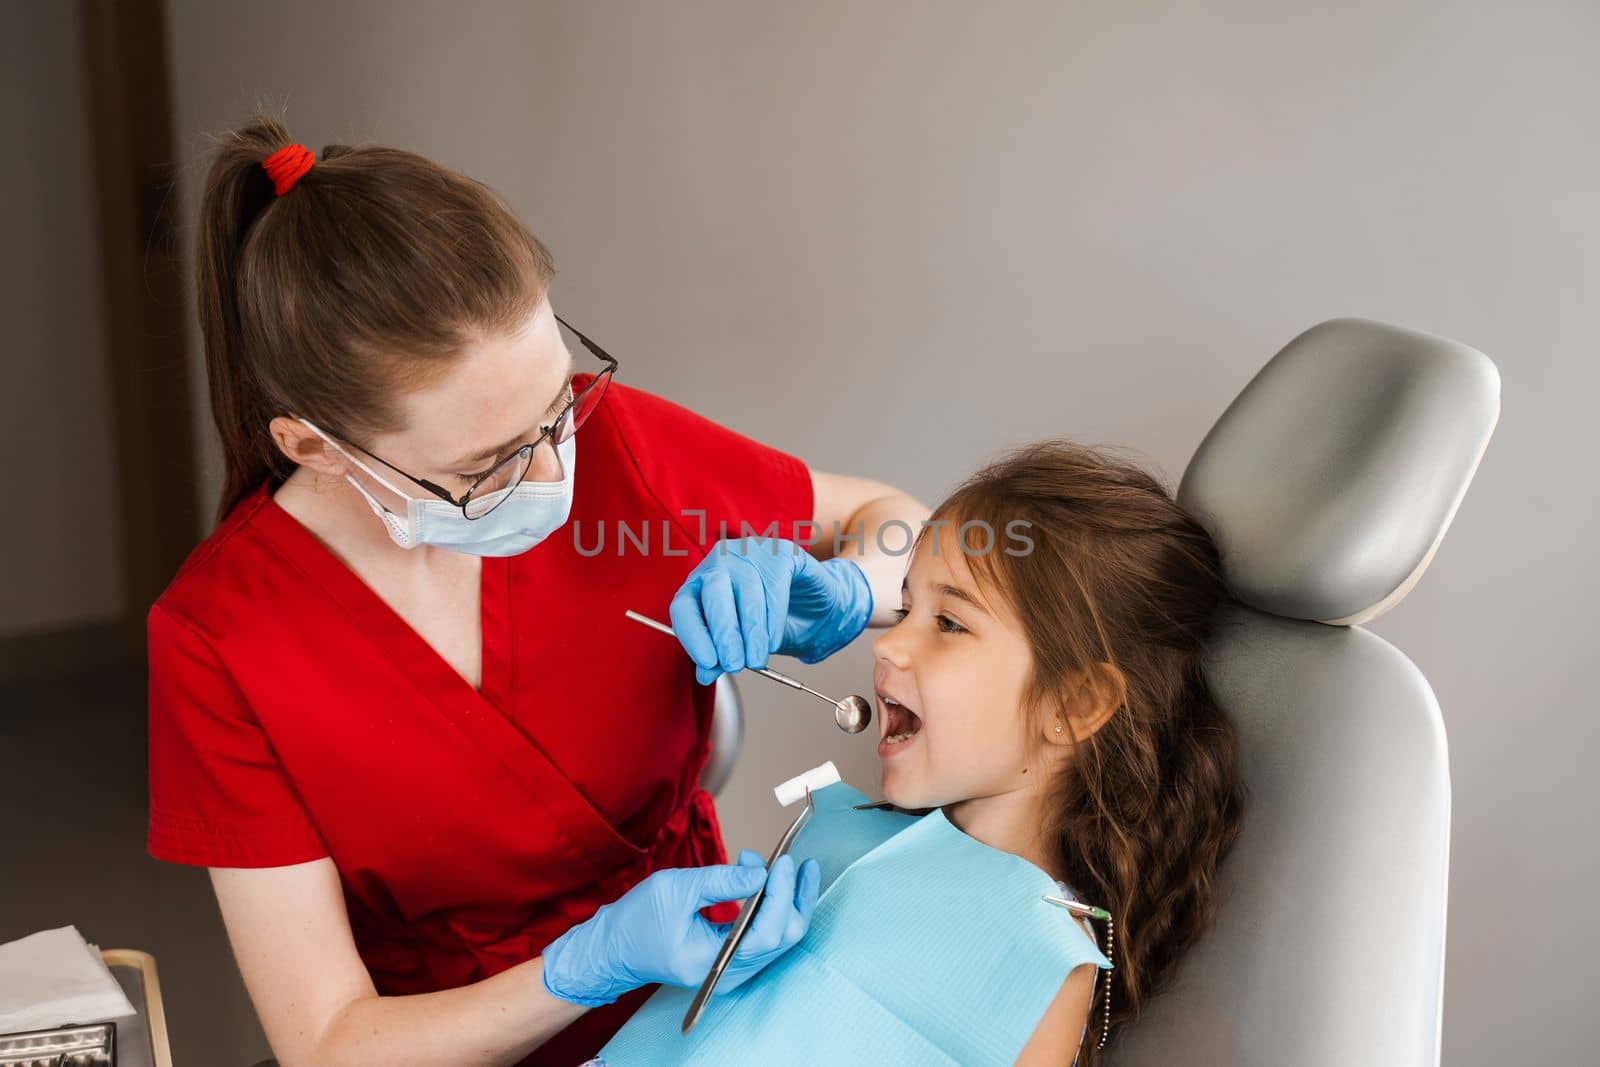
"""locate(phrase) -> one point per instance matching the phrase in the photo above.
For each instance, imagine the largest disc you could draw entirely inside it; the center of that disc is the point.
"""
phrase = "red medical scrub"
(294, 715)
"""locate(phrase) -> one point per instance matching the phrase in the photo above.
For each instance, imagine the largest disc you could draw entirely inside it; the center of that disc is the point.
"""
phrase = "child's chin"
(900, 791)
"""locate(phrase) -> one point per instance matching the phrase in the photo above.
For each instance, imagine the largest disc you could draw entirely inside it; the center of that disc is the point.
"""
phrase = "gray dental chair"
(1328, 484)
(727, 733)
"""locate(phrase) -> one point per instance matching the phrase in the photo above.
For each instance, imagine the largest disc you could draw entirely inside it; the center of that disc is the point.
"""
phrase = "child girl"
(1044, 724)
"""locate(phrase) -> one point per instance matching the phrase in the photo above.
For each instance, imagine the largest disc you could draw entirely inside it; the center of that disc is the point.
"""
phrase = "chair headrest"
(1331, 479)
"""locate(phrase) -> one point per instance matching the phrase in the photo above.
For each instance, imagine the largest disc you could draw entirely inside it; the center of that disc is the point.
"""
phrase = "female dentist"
(447, 793)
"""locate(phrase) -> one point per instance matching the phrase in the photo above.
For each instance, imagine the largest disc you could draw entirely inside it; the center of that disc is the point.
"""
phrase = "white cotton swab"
(794, 790)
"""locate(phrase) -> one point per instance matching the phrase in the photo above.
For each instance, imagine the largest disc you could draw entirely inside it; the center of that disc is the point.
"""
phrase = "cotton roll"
(817, 777)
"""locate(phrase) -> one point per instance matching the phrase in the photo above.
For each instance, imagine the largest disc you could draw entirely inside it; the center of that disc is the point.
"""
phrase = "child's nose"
(890, 646)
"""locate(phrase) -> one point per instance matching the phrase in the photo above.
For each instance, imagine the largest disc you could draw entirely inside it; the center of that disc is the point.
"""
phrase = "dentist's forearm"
(492, 1023)
(315, 997)
(890, 525)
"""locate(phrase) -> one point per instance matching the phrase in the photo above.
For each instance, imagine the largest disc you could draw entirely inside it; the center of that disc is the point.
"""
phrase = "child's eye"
(945, 623)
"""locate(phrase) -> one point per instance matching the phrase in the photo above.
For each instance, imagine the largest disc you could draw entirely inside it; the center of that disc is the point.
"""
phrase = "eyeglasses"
(492, 488)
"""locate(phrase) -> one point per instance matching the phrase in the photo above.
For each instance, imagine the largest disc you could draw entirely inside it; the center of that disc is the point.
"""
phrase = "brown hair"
(1118, 573)
(364, 279)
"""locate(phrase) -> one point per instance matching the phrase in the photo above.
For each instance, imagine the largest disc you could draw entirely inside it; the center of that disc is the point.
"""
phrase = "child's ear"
(1097, 694)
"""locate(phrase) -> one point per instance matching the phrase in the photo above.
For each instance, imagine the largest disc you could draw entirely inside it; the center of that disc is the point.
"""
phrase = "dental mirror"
(852, 714)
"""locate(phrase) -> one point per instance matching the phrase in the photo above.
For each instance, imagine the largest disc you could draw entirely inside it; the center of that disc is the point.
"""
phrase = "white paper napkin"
(53, 978)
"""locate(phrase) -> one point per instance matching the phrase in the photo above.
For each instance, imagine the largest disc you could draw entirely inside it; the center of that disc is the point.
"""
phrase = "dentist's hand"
(655, 933)
(785, 925)
(755, 596)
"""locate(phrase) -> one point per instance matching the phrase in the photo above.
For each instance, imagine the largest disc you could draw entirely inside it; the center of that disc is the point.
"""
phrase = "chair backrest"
(1328, 484)
(727, 733)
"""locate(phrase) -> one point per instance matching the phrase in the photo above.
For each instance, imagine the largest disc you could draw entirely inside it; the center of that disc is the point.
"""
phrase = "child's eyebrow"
(953, 591)
(958, 593)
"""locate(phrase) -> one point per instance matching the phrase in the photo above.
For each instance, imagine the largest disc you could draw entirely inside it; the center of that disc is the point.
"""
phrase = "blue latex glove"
(755, 596)
(655, 933)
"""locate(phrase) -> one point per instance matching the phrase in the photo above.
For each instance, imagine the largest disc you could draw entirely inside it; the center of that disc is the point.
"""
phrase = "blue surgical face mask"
(534, 511)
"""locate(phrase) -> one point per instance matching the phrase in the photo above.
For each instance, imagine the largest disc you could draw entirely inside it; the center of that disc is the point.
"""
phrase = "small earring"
(1058, 729)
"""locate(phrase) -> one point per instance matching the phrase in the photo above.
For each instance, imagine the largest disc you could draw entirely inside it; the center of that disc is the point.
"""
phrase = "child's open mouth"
(901, 726)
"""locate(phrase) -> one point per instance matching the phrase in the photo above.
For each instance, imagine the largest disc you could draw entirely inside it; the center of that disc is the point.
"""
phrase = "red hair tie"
(288, 165)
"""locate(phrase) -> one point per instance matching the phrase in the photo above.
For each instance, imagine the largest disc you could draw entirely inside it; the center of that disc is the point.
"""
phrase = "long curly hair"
(1142, 814)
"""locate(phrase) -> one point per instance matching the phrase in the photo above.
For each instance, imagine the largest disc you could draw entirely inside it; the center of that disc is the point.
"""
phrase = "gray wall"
(59, 530)
(894, 238)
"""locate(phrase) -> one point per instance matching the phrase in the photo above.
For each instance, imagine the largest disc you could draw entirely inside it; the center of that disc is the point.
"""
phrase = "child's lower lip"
(886, 748)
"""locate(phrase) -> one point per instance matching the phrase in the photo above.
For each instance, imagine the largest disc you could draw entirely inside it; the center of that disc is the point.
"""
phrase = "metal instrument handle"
(747, 913)
(782, 679)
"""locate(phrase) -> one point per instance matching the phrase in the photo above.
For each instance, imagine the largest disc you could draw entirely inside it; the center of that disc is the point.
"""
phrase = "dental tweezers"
(730, 944)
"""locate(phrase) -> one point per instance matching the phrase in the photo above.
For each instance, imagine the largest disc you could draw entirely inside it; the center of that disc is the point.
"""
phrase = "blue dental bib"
(927, 947)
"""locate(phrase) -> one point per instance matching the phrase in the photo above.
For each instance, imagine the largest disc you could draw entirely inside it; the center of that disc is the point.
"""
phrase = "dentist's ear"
(304, 448)
(1099, 692)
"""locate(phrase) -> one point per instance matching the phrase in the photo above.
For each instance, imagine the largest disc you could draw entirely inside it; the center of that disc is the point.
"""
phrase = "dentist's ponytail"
(363, 279)
(1150, 803)
(236, 191)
